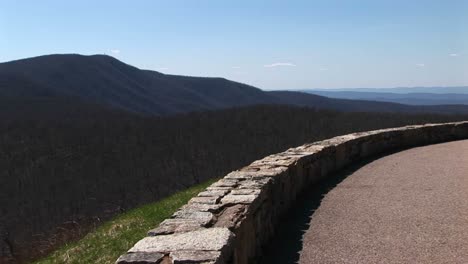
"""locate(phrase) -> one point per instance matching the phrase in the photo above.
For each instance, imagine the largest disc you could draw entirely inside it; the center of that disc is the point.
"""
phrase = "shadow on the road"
(286, 245)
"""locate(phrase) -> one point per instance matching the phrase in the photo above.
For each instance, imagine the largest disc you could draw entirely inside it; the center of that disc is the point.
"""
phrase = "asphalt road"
(408, 207)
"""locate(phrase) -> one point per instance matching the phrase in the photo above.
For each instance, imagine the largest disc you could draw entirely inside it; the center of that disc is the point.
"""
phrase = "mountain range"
(410, 96)
(85, 138)
(400, 90)
(106, 81)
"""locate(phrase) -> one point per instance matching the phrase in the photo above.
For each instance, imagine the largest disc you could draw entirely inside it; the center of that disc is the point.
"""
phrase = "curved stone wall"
(232, 219)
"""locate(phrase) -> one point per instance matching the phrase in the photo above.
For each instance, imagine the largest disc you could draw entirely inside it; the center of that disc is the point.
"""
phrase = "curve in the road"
(408, 207)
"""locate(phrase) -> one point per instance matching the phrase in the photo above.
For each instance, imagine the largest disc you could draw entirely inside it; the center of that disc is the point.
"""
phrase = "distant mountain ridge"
(106, 81)
(399, 90)
(410, 98)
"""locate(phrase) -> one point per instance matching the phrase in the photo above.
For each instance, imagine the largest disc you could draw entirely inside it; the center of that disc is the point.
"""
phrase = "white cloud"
(115, 51)
(454, 54)
(280, 64)
(420, 64)
(163, 69)
(236, 67)
(323, 69)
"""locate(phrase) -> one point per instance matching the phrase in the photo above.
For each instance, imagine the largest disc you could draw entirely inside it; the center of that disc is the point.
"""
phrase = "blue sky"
(268, 44)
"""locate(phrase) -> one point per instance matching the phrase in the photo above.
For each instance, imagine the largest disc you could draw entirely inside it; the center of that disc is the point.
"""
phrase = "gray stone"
(213, 193)
(205, 200)
(257, 171)
(283, 161)
(239, 199)
(140, 258)
(208, 239)
(225, 183)
(202, 217)
(239, 175)
(191, 256)
(258, 183)
(245, 191)
(176, 225)
(202, 207)
(217, 188)
(231, 216)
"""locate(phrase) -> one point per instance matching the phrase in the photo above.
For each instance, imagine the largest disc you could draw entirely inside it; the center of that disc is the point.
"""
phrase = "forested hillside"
(62, 172)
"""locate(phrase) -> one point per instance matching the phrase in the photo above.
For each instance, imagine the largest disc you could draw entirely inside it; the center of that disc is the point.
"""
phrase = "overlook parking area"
(408, 207)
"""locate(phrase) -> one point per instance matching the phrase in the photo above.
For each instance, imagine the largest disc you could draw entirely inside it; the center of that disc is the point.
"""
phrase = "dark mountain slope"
(104, 80)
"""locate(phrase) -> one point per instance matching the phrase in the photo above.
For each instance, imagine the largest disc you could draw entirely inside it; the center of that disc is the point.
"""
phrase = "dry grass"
(115, 237)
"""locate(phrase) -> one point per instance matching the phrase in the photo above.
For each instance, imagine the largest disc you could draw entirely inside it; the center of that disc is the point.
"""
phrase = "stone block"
(175, 225)
(207, 239)
(239, 199)
(231, 216)
(217, 188)
(191, 256)
(202, 207)
(203, 217)
(140, 258)
(258, 183)
(225, 183)
(245, 191)
(205, 200)
(213, 193)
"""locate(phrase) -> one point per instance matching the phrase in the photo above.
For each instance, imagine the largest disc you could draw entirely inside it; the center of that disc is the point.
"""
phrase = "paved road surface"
(409, 207)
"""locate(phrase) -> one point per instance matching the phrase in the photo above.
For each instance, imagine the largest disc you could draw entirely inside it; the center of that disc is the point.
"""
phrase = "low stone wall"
(232, 219)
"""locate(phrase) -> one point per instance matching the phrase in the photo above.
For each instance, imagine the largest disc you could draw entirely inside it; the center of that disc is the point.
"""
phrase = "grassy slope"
(115, 237)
